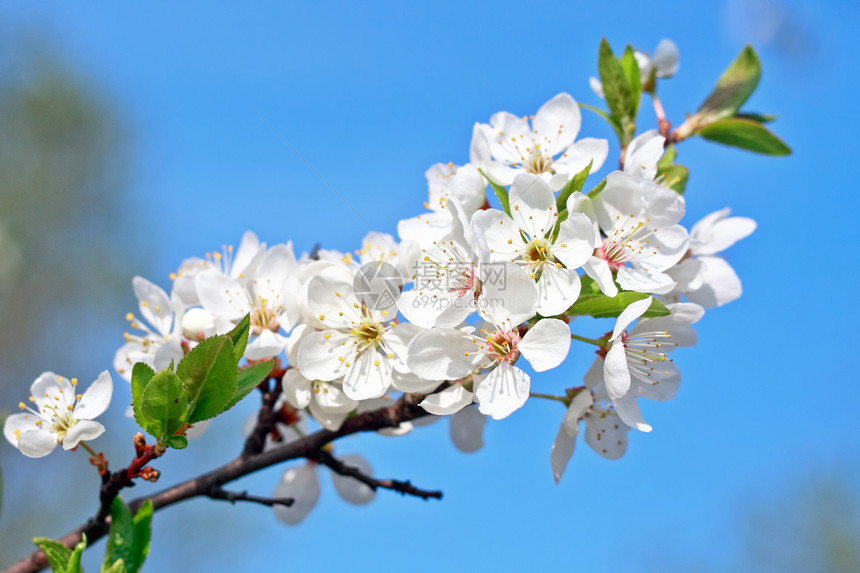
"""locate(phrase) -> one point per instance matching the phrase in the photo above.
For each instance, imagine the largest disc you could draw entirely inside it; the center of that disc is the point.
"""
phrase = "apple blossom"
(509, 145)
(60, 415)
(529, 239)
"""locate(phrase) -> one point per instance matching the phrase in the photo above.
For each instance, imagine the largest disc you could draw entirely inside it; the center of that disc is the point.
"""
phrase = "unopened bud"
(196, 323)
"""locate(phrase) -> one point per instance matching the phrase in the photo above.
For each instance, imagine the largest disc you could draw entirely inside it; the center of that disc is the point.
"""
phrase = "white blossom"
(510, 145)
(59, 414)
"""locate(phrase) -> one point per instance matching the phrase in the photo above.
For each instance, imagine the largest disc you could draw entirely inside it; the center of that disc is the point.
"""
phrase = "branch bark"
(401, 487)
(402, 410)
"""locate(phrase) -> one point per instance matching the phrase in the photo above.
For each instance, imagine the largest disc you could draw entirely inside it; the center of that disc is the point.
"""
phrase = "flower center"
(629, 240)
(466, 282)
(501, 346)
(538, 163)
(368, 333)
(263, 318)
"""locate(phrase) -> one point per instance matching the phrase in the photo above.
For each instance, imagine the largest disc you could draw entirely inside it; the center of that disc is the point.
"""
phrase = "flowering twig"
(402, 487)
(402, 410)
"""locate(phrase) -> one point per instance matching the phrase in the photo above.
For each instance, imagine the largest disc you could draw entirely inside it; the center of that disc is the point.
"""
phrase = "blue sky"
(372, 95)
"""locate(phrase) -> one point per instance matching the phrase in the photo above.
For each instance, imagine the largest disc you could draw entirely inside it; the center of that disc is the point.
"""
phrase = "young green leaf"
(746, 134)
(248, 379)
(500, 192)
(572, 186)
(597, 189)
(668, 157)
(163, 406)
(208, 375)
(74, 565)
(734, 87)
(121, 534)
(617, 92)
(602, 306)
(673, 177)
(141, 374)
(759, 117)
(239, 337)
(117, 567)
(142, 535)
(634, 78)
(58, 555)
(177, 442)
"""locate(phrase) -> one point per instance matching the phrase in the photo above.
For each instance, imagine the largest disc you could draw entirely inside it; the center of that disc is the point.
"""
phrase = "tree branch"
(402, 487)
(402, 410)
(233, 497)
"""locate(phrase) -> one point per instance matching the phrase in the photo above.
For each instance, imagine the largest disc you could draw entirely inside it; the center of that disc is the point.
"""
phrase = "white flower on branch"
(58, 415)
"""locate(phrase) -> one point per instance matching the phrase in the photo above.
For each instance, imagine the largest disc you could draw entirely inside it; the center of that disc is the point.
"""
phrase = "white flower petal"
(606, 435)
(37, 443)
(556, 124)
(368, 376)
(546, 344)
(300, 483)
(599, 270)
(322, 355)
(96, 398)
(575, 242)
(633, 311)
(154, 305)
(467, 430)
(83, 430)
(297, 389)
(616, 374)
(503, 391)
(562, 451)
(442, 354)
(558, 288)
(448, 401)
(222, 295)
(628, 411)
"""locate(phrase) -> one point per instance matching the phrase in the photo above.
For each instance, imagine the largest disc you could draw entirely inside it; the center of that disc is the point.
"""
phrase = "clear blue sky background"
(373, 95)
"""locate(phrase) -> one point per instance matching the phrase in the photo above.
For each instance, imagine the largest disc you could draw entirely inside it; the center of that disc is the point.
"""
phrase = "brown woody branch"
(401, 487)
(402, 410)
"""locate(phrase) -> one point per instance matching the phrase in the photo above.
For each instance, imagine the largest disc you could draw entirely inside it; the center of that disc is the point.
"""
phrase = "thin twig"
(234, 496)
(402, 487)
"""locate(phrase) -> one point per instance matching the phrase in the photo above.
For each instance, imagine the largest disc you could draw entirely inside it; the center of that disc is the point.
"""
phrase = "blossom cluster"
(464, 306)
(468, 293)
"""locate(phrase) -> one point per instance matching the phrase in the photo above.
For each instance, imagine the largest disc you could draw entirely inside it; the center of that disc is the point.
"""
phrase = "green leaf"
(634, 78)
(248, 379)
(208, 375)
(117, 567)
(606, 116)
(734, 87)
(58, 554)
(746, 134)
(597, 189)
(141, 374)
(121, 534)
(141, 537)
(74, 565)
(239, 337)
(599, 305)
(673, 177)
(177, 442)
(617, 92)
(501, 193)
(668, 157)
(572, 186)
(759, 117)
(163, 406)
